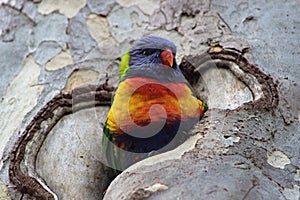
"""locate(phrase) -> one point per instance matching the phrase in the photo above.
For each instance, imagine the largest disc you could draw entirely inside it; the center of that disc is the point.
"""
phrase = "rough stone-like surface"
(4, 194)
(98, 27)
(14, 20)
(101, 7)
(74, 146)
(81, 42)
(130, 26)
(52, 46)
(278, 159)
(225, 90)
(14, 36)
(23, 92)
(56, 26)
(63, 59)
(79, 78)
(13, 3)
(170, 13)
(147, 6)
(68, 7)
(250, 19)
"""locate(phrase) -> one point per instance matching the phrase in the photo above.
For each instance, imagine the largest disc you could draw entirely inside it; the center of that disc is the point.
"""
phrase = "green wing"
(112, 153)
(124, 65)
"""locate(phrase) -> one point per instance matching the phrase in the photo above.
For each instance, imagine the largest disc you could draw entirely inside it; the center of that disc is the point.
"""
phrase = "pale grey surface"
(273, 33)
(102, 7)
(73, 148)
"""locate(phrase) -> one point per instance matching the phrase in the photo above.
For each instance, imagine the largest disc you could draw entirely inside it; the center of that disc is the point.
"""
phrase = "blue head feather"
(147, 51)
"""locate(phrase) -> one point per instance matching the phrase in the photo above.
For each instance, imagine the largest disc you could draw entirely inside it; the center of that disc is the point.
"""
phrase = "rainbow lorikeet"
(152, 105)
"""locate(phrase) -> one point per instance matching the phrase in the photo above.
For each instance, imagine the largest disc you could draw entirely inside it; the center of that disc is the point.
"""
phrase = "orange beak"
(167, 57)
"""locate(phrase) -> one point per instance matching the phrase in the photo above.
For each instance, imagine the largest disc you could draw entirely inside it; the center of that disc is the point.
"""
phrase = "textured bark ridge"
(262, 86)
(24, 177)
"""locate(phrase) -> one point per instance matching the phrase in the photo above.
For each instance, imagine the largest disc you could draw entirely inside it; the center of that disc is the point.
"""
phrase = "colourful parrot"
(152, 106)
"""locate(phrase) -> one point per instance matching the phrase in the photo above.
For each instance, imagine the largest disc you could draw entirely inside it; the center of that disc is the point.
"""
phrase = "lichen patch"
(79, 78)
(61, 60)
(278, 159)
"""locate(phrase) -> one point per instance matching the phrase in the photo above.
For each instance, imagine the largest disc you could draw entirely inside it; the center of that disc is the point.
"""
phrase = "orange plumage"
(152, 106)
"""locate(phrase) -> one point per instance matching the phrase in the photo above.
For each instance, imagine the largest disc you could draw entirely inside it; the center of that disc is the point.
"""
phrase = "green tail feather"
(205, 107)
(110, 152)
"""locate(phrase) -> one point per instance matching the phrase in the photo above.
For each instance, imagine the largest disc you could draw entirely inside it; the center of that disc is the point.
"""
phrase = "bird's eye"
(148, 52)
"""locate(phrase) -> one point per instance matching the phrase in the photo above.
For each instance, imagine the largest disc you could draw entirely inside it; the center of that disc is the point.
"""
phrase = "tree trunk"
(59, 65)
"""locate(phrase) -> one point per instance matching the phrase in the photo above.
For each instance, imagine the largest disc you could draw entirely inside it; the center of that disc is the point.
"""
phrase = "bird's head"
(149, 50)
